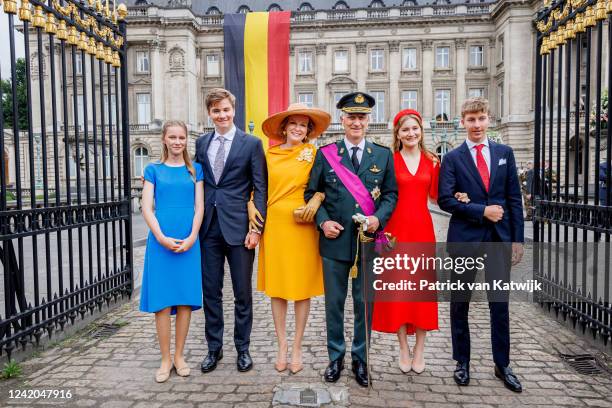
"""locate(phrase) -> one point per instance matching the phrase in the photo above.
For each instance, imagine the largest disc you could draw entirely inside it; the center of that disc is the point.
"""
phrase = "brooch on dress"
(375, 193)
(306, 155)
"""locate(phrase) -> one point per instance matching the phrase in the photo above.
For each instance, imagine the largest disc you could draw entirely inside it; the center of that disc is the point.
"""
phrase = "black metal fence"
(65, 223)
(572, 180)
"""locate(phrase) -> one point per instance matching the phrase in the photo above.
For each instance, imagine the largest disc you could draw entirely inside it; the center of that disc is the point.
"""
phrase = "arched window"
(141, 3)
(274, 7)
(243, 10)
(377, 4)
(409, 3)
(213, 11)
(141, 159)
(305, 7)
(340, 6)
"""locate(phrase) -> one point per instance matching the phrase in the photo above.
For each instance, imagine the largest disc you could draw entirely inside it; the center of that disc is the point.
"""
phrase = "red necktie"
(481, 165)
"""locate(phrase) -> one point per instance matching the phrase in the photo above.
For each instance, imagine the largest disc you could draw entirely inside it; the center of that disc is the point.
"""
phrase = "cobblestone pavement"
(118, 371)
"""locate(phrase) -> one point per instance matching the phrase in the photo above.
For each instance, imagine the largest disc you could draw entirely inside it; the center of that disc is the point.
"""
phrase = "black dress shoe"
(244, 361)
(333, 370)
(462, 373)
(360, 369)
(510, 380)
(210, 362)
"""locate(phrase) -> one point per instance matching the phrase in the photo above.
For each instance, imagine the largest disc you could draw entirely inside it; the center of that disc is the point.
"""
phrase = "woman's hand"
(463, 197)
(169, 243)
(312, 206)
(255, 218)
(186, 244)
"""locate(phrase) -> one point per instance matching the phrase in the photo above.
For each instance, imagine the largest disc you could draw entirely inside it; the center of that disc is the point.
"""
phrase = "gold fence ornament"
(589, 19)
(62, 33)
(83, 42)
(100, 51)
(609, 6)
(116, 60)
(122, 11)
(25, 11)
(39, 18)
(10, 6)
(51, 26)
(73, 36)
(108, 55)
(91, 49)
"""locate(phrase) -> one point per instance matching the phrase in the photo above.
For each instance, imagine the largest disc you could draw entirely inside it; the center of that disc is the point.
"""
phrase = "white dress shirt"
(485, 152)
(214, 144)
(361, 146)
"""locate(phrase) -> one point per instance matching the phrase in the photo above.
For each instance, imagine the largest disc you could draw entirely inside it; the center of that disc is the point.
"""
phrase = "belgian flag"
(256, 65)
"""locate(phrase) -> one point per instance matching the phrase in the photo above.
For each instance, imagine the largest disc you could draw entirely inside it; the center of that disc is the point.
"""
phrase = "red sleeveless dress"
(410, 223)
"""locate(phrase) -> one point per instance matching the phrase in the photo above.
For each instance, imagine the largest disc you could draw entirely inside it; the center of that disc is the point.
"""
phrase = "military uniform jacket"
(376, 171)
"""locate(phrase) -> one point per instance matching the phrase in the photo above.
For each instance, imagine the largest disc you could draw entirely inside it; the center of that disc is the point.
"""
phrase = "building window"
(243, 10)
(305, 7)
(377, 4)
(144, 108)
(500, 105)
(443, 104)
(141, 159)
(409, 58)
(341, 61)
(212, 65)
(275, 7)
(377, 60)
(305, 62)
(142, 61)
(340, 6)
(80, 112)
(78, 63)
(476, 93)
(477, 55)
(409, 100)
(113, 112)
(442, 57)
(337, 112)
(500, 41)
(213, 11)
(307, 98)
(378, 111)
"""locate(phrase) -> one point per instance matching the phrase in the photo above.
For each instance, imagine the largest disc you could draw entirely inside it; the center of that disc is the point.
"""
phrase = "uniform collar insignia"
(375, 169)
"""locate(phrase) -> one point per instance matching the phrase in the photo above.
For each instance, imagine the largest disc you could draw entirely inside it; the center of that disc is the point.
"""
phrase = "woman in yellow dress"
(289, 266)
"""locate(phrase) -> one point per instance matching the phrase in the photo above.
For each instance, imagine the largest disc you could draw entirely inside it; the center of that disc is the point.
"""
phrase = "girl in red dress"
(416, 170)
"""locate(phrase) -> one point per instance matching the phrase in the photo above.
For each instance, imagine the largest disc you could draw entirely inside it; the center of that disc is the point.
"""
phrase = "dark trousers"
(335, 279)
(214, 252)
(497, 266)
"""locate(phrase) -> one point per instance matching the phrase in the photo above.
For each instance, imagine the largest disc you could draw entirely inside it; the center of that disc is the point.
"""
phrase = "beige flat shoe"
(405, 367)
(418, 368)
(162, 375)
(183, 371)
(296, 367)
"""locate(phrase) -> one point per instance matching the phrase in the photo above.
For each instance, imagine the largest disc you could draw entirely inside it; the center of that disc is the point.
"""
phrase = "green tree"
(22, 100)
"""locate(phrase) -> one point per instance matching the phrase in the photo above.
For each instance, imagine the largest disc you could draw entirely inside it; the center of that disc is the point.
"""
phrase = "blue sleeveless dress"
(170, 279)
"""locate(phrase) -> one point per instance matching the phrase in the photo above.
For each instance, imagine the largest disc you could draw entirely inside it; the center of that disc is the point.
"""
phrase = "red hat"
(405, 112)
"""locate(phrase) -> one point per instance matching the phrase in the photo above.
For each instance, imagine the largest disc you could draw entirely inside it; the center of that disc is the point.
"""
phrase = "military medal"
(369, 150)
(341, 151)
(375, 169)
(375, 193)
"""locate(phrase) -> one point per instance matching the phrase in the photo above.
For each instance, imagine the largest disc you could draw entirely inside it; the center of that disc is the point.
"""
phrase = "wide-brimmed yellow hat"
(320, 121)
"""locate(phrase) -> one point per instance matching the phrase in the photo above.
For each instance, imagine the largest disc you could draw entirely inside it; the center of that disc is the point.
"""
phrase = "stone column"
(158, 108)
(395, 64)
(322, 74)
(428, 65)
(362, 65)
(462, 62)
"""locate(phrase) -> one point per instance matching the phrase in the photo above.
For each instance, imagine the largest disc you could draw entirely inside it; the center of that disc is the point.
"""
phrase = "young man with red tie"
(487, 172)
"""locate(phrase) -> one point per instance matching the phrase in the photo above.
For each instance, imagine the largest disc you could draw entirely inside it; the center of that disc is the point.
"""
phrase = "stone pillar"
(362, 65)
(462, 62)
(158, 108)
(395, 64)
(322, 74)
(292, 73)
(428, 65)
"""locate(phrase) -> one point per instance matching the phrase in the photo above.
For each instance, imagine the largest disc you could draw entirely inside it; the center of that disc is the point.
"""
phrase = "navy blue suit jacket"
(458, 173)
(244, 172)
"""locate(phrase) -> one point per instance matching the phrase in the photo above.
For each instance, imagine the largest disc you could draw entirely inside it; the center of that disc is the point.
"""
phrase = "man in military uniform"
(357, 177)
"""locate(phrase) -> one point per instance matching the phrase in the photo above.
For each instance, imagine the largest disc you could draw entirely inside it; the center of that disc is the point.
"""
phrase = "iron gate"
(65, 219)
(572, 182)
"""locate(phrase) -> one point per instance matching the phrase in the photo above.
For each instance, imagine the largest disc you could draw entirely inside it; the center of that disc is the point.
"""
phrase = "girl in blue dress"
(173, 208)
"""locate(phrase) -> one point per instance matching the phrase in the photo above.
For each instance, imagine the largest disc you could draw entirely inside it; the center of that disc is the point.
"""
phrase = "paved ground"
(118, 371)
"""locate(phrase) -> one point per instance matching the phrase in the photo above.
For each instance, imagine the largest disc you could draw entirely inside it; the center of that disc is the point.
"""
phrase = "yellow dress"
(289, 264)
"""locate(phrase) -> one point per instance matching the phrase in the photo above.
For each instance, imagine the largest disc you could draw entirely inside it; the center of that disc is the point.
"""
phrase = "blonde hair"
(177, 123)
(397, 143)
(474, 105)
(217, 95)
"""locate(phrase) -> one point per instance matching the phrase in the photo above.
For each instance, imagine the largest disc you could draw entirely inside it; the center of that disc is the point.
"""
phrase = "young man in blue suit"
(487, 172)
(234, 166)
